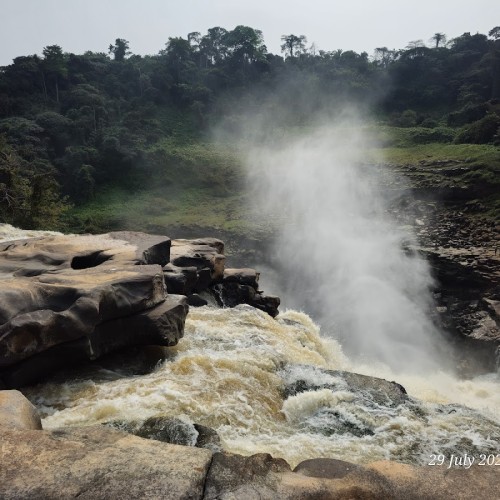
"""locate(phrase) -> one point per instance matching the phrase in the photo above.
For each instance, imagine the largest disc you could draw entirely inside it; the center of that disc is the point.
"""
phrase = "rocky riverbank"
(454, 212)
(102, 463)
(68, 299)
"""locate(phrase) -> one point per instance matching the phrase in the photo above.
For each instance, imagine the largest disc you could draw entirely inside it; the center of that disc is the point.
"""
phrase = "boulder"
(369, 393)
(254, 477)
(240, 286)
(49, 309)
(16, 412)
(162, 325)
(266, 303)
(199, 265)
(196, 301)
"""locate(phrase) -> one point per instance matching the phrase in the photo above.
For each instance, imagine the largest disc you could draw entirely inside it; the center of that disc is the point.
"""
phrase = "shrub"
(480, 132)
(468, 114)
(426, 135)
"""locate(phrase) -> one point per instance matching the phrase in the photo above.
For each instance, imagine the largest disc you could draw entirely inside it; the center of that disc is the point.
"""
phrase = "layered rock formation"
(101, 463)
(453, 209)
(65, 299)
(199, 265)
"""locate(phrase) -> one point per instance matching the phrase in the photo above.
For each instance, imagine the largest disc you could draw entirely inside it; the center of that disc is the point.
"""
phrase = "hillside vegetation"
(113, 140)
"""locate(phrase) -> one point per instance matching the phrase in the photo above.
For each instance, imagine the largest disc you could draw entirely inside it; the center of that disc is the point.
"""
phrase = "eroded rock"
(69, 298)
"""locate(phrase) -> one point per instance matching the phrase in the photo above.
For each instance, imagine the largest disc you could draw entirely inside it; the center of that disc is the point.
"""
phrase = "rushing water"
(231, 370)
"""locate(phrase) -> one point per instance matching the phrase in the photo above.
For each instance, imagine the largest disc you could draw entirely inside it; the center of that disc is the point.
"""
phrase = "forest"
(72, 126)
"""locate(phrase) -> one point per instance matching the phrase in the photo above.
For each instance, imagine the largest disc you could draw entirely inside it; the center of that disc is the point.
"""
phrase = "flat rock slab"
(97, 463)
(33, 256)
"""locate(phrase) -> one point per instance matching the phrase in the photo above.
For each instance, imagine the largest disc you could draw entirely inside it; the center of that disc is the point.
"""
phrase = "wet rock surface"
(377, 390)
(172, 430)
(98, 463)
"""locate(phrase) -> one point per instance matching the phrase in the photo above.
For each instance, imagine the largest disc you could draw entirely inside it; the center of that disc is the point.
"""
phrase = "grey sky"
(80, 25)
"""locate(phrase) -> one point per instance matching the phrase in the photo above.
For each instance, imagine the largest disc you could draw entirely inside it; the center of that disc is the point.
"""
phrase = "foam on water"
(230, 372)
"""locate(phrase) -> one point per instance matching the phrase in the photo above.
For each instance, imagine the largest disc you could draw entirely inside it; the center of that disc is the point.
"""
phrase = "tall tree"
(293, 44)
(438, 38)
(383, 56)
(54, 66)
(213, 45)
(120, 49)
(245, 44)
(494, 33)
(179, 54)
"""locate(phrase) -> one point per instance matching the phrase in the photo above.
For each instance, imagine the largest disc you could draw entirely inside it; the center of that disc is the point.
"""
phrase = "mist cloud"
(340, 255)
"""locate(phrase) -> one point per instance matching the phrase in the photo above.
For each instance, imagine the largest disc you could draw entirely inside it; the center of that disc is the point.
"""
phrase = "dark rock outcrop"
(467, 297)
(454, 214)
(240, 286)
(199, 266)
(203, 254)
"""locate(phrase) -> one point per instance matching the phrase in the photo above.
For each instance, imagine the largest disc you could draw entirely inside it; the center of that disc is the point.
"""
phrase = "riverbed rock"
(172, 430)
(199, 266)
(244, 276)
(371, 390)
(328, 468)
(16, 412)
(459, 233)
(66, 299)
(414, 483)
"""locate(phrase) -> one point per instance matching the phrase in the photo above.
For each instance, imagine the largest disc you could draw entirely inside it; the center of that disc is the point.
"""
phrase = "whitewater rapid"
(230, 372)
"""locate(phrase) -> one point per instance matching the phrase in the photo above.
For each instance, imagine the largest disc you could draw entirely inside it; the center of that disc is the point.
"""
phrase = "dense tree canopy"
(69, 122)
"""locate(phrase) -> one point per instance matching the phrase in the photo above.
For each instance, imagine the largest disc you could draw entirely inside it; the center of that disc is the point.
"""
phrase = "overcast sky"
(80, 25)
